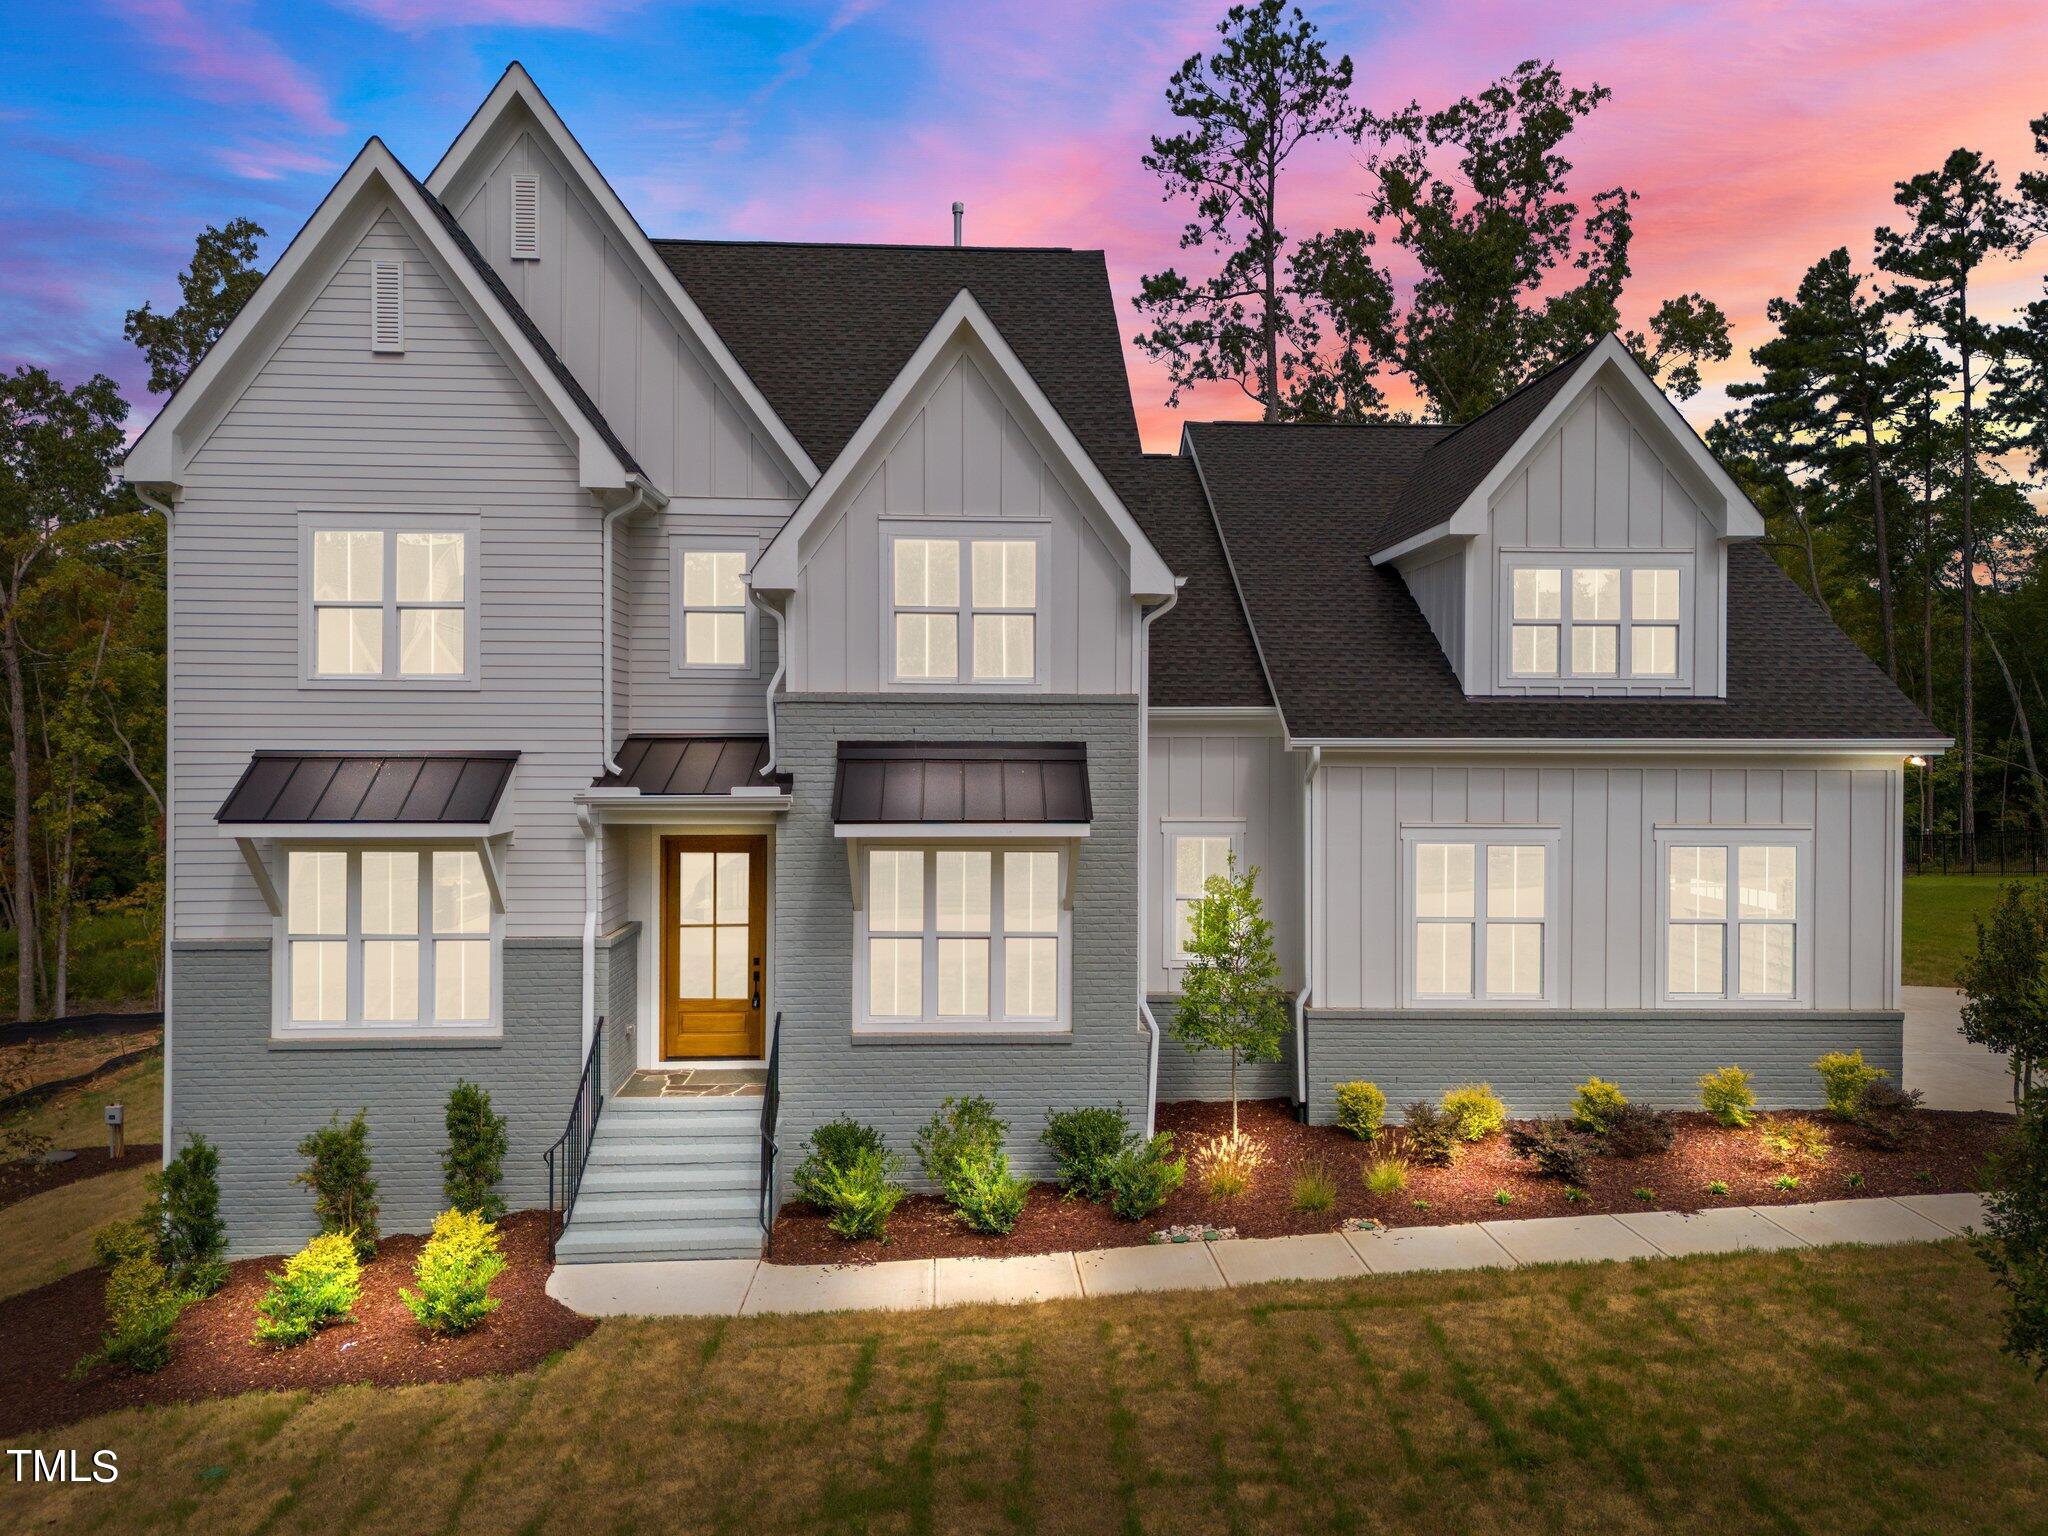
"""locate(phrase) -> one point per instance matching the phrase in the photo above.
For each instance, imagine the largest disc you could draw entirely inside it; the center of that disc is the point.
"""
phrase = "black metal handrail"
(572, 1148)
(771, 1105)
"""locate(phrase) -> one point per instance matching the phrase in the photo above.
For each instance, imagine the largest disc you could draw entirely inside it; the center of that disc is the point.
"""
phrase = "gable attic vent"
(526, 218)
(387, 306)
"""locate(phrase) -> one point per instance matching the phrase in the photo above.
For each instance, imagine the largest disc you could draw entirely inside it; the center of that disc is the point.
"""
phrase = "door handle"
(755, 1000)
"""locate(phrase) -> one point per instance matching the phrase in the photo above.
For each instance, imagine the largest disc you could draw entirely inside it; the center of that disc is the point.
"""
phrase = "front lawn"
(1940, 923)
(1833, 1390)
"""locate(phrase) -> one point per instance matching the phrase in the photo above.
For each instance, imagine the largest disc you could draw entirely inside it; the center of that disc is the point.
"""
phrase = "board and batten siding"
(619, 335)
(1198, 774)
(961, 456)
(1438, 587)
(663, 696)
(1607, 901)
(328, 426)
(1596, 482)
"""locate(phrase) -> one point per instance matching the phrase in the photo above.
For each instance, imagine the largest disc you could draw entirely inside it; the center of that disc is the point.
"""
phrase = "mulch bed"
(45, 1332)
(1947, 1158)
(25, 1177)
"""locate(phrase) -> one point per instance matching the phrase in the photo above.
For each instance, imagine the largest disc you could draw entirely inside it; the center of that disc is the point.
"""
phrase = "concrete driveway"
(1949, 1070)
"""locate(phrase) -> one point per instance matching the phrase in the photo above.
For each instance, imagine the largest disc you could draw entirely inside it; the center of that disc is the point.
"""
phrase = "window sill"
(381, 1040)
(936, 1034)
(394, 684)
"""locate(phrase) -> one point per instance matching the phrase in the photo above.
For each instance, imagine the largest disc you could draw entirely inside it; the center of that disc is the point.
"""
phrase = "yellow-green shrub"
(1361, 1107)
(455, 1271)
(1844, 1078)
(1726, 1095)
(142, 1303)
(318, 1285)
(1794, 1139)
(1475, 1110)
(1596, 1103)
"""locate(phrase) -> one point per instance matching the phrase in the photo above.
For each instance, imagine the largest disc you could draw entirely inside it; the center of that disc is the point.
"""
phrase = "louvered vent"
(526, 218)
(387, 306)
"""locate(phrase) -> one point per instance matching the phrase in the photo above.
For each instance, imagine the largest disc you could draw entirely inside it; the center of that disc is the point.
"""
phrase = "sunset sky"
(1759, 135)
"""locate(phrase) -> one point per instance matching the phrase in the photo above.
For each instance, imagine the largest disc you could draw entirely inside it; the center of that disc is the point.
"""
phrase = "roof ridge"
(1523, 388)
(884, 245)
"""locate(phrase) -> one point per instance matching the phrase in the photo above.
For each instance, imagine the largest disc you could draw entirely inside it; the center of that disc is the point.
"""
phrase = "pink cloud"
(428, 15)
(262, 160)
(229, 62)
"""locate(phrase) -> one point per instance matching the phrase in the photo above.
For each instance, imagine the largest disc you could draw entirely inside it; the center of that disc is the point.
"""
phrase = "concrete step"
(615, 1210)
(659, 1240)
(619, 1152)
(712, 1104)
(724, 1126)
(670, 1177)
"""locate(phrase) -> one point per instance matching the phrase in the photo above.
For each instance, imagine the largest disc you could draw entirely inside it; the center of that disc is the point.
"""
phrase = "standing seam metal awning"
(928, 784)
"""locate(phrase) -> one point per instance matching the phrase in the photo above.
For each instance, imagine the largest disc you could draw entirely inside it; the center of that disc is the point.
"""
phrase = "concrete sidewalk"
(746, 1287)
(1949, 1070)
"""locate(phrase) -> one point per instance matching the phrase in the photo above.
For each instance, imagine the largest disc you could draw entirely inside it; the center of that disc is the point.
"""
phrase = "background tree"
(1961, 219)
(1268, 89)
(212, 291)
(1475, 197)
(1230, 997)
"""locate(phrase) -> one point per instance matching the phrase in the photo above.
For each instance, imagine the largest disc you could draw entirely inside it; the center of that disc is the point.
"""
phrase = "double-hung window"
(714, 629)
(390, 600)
(964, 609)
(962, 938)
(387, 940)
(1480, 905)
(1195, 852)
(1733, 915)
(1597, 618)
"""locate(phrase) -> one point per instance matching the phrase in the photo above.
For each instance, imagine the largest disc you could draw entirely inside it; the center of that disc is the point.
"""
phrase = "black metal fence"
(1996, 853)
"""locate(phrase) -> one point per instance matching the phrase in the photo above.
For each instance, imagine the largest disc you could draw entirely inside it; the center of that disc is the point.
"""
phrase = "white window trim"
(1189, 826)
(681, 544)
(964, 533)
(1733, 839)
(1550, 839)
(933, 1023)
(1564, 561)
(390, 524)
(284, 1028)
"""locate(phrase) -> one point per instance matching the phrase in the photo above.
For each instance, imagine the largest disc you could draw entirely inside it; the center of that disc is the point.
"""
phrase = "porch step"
(657, 1240)
(709, 1104)
(616, 1210)
(668, 1178)
(620, 1152)
(681, 1125)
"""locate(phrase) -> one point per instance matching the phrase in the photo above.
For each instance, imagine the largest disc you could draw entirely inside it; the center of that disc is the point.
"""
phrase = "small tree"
(2005, 986)
(338, 1172)
(1230, 997)
(184, 1216)
(2014, 1242)
(474, 1158)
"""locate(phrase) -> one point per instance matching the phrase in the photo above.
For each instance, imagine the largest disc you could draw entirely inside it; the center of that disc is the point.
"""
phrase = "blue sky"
(127, 125)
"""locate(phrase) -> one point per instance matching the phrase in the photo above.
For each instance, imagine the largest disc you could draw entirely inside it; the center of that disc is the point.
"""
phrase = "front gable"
(962, 447)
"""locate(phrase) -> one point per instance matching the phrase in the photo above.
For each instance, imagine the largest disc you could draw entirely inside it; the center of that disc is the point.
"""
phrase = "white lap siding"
(1607, 903)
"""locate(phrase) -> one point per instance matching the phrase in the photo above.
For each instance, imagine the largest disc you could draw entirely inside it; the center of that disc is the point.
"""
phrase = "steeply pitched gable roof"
(1351, 656)
(1202, 652)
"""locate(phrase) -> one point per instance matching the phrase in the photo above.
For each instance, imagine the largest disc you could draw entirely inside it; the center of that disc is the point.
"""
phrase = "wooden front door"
(714, 927)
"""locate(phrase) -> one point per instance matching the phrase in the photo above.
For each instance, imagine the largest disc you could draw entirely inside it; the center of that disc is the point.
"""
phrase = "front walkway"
(744, 1287)
(1949, 1070)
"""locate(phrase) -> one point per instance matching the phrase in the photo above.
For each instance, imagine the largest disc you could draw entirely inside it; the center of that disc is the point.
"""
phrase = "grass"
(47, 1236)
(1940, 926)
(77, 1118)
(113, 960)
(1726, 1392)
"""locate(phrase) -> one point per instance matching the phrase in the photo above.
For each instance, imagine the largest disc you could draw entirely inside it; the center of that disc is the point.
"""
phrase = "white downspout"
(1151, 1025)
(588, 822)
(775, 681)
(1308, 931)
(632, 504)
(170, 802)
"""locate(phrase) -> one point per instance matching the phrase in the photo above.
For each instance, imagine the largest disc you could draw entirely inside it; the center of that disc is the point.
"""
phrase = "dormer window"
(1601, 618)
(964, 610)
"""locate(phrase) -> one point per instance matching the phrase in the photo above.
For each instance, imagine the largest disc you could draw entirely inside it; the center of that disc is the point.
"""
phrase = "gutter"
(1149, 1024)
(1636, 746)
(588, 824)
(1308, 932)
(170, 803)
(774, 681)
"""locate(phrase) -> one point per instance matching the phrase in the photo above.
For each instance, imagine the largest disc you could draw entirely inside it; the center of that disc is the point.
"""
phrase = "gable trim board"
(375, 182)
(964, 328)
(497, 117)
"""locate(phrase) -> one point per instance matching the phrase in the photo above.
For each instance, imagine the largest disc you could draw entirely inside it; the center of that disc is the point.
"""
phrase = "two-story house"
(770, 681)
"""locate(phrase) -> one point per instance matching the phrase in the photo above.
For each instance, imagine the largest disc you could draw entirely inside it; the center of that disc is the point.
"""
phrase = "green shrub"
(861, 1194)
(142, 1302)
(983, 1193)
(1475, 1111)
(1636, 1130)
(1596, 1100)
(2013, 1240)
(455, 1270)
(1084, 1143)
(184, 1212)
(1429, 1136)
(1554, 1147)
(1361, 1109)
(1143, 1176)
(1794, 1139)
(1844, 1077)
(1726, 1095)
(1315, 1189)
(338, 1172)
(961, 1128)
(318, 1285)
(1889, 1116)
(1385, 1176)
(833, 1147)
(473, 1161)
